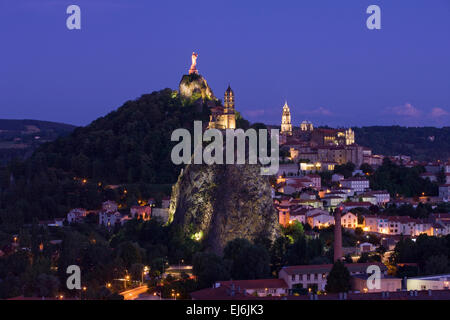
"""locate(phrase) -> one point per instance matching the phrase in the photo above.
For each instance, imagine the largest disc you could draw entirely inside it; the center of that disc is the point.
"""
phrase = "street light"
(144, 271)
(157, 294)
(127, 277)
(81, 292)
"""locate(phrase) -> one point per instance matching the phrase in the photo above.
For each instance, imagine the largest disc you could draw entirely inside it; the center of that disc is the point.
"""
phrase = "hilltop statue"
(193, 68)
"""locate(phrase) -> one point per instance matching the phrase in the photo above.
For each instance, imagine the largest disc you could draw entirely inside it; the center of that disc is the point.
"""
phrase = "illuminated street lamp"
(157, 294)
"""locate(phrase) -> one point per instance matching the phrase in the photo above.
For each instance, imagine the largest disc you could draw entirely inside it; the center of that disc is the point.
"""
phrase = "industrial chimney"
(337, 234)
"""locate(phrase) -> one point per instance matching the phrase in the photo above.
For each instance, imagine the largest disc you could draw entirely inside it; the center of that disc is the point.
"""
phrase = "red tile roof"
(353, 204)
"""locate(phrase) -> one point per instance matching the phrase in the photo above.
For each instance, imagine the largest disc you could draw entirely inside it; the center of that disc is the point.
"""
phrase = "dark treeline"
(421, 143)
(431, 254)
(401, 180)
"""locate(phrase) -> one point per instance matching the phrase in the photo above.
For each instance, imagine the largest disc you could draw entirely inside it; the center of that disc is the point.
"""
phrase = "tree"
(294, 229)
(441, 177)
(130, 253)
(338, 279)
(345, 169)
(47, 285)
(437, 265)
(248, 261)
(278, 252)
(366, 168)
(241, 123)
(136, 271)
(209, 268)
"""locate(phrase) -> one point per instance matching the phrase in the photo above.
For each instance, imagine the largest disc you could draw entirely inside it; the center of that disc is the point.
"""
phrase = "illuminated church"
(286, 126)
(223, 117)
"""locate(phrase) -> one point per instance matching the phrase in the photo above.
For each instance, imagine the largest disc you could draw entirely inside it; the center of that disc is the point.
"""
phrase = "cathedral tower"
(286, 126)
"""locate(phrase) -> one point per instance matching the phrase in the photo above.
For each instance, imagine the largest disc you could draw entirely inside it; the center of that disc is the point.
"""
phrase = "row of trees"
(398, 180)
(432, 255)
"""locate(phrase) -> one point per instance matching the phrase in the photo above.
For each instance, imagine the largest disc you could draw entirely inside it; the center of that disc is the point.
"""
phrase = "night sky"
(316, 54)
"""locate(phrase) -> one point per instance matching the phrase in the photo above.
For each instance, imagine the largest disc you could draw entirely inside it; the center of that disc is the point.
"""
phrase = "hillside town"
(331, 219)
(303, 197)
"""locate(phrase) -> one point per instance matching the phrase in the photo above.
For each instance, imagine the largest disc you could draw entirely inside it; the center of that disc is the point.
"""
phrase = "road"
(134, 294)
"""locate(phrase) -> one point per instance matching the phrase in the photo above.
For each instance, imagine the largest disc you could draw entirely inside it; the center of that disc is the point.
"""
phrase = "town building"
(433, 282)
(366, 247)
(366, 197)
(382, 196)
(336, 177)
(444, 192)
(259, 287)
(358, 184)
(353, 205)
(320, 220)
(315, 276)
(76, 215)
(141, 212)
(326, 136)
(386, 284)
(307, 126)
(349, 220)
(332, 202)
(110, 206)
(109, 218)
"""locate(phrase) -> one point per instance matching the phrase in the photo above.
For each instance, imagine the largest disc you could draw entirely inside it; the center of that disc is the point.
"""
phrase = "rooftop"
(322, 268)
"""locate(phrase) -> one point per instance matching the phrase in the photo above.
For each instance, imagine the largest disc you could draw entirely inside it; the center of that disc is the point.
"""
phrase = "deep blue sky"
(317, 54)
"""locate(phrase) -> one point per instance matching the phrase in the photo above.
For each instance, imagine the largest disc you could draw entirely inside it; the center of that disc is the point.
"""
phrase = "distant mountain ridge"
(19, 138)
(20, 124)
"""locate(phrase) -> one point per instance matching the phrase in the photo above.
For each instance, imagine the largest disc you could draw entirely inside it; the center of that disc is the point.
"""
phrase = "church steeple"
(228, 101)
(286, 126)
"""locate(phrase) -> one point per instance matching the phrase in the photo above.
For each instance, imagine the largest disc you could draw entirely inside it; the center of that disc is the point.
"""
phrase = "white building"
(349, 220)
(109, 219)
(356, 183)
(258, 287)
(444, 192)
(366, 247)
(332, 201)
(315, 276)
(320, 220)
(298, 214)
(336, 177)
(434, 282)
(316, 180)
(110, 206)
(76, 215)
(367, 197)
(371, 223)
(381, 196)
